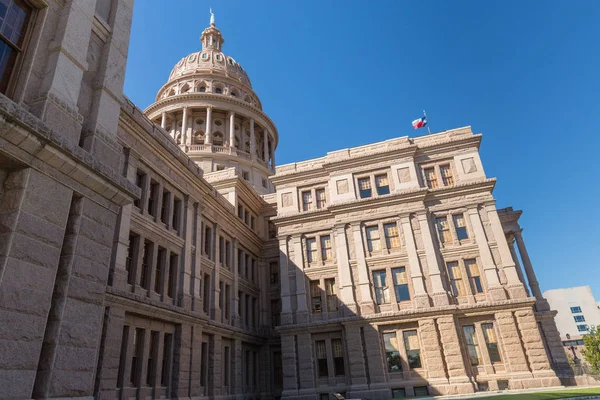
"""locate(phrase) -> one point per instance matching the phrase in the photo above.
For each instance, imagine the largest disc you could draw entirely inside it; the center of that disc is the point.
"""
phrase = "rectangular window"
(241, 261)
(130, 260)
(582, 328)
(382, 184)
(247, 217)
(136, 358)
(321, 200)
(455, 276)
(166, 360)
(382, 293)
(226, 366)
(391, 352)
(579, 318)
(227, 301)
(326, 253)
(275, 312)
(311, 249)
(471, 342)
(491, 342)
(204, 364)
(152, 356)
(221, 249)
(575, 310)
(460, 226)
(321, 354)
(474, 276)
(398, 393)
(206, 294)
(14, 20)
(413, 349)
(207, 241)
(400, 284)
(421, 391)
(241, 212)
(373, 238)
(430, 178)
(274, 272)
(176, 214)
(315, 296)
(152, 198)
(443, 230)
(140, 181)
(173, 260)
(164, 207)
(252, 221)
(228, 254)
(331, 293)
(392, 237)
(122, 357)
(364, 188)
(446, 173)
(159, 271)
(146, 261)
(306, 200)
(338, 357)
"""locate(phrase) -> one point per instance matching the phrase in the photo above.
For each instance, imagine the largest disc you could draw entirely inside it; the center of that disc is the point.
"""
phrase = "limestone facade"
(156, 254)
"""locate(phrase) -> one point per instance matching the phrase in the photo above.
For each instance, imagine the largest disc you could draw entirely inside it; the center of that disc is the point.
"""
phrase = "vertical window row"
(170, 205)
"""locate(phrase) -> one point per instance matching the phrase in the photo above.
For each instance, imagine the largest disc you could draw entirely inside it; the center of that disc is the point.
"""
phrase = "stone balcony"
(231, 151)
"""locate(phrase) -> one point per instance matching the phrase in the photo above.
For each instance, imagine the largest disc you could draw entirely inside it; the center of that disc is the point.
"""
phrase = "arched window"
(202, 89)
(218, 90)
(233, 93)
(185, 88)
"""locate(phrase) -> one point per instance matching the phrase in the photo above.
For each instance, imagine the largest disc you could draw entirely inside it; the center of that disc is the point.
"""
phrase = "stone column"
(184, 126)
(439, 295)
(252, 140)
(346, 288)
(513, 253)
(306, 363)
(367, 306)
(273, 156)
(217, 311)
(421, 299)
(284, 277)
(301, 301)
(163, 120)
(495, 290)
(515, 287)
(232, 129)
(531, 278)
(208, 135)
(196, 357)
(266, 146)
(455, 364)
(356, 359)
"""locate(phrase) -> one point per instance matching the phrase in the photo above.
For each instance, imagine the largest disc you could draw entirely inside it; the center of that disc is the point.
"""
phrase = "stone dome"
(210, 61)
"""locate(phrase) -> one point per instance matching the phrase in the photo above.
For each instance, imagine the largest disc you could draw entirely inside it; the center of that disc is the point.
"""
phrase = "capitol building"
(163, 253)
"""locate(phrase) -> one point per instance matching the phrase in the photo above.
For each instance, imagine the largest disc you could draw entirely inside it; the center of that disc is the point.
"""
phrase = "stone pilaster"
(356, 359)
(306, 364)
(374, 354)
(439, 294)
(495, 291)
(284, 277)
(110, 353)
(432, 352)
(366, 306)
(215, 370)
(195, 356)
(344, 271)
(455, 364)
(534, 349)
(552, 336)
(421, 299)
(289, 365)
(181, 362)
(301, 300)
(511, 344)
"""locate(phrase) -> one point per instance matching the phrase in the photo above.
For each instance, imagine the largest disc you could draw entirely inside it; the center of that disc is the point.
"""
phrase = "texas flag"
(419, 123)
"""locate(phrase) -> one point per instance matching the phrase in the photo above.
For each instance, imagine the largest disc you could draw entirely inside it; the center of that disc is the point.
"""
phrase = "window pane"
(326, 253)
(391, 352)
(331, 293)
(443, 229)
(373, 242)
(491, 342)
(306, 200)
(461, 228)
(455, 275)
(311, 249)
(381, 182)
(392, 238)
(430, 178)
(446, 173)
(475, 278)
(321, 354)
(413, 349)
(338, 357)
(381, 290)
(471, 342)
(321, 201)
(315, 295)
(364, 187)
(575, 310)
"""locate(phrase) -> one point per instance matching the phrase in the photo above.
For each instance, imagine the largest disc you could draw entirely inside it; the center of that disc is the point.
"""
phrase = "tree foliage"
(591, 352)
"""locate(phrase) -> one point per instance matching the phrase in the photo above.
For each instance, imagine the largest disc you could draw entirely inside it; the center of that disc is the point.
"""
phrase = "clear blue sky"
(337, 74)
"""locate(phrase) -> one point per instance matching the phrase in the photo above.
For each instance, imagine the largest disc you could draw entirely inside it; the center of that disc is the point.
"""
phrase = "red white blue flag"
(420, 123)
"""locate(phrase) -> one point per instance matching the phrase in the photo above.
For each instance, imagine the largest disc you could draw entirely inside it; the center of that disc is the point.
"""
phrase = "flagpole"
(425, 115)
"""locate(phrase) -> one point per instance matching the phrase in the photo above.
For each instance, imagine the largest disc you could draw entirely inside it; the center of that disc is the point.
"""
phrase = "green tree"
(591, 352)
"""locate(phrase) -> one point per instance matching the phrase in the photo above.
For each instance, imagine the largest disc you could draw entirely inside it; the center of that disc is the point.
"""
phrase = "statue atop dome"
(212, 17)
